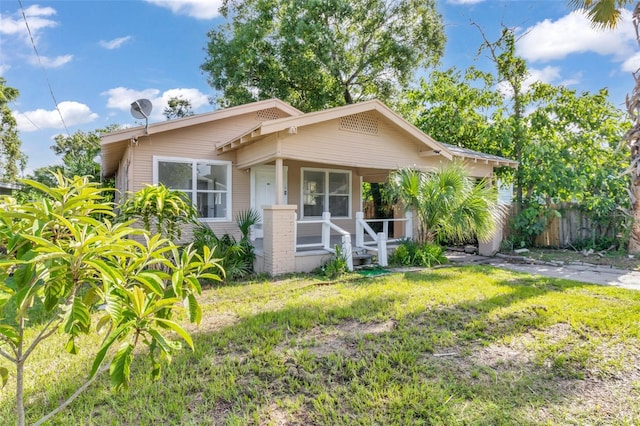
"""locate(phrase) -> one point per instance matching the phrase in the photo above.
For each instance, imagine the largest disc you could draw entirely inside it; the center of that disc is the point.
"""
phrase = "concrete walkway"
(594, 274)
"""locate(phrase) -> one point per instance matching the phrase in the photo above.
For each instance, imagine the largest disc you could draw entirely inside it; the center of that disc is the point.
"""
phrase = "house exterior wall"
(387, 147)
(295, 194)
(197, 142)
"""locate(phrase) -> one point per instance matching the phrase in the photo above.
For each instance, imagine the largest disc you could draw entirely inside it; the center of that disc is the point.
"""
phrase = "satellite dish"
(141, 109)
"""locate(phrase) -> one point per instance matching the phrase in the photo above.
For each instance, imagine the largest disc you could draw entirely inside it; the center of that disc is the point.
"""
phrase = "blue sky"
(99, 56)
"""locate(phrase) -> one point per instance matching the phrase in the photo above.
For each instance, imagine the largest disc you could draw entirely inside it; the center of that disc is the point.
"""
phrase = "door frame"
(257, 231)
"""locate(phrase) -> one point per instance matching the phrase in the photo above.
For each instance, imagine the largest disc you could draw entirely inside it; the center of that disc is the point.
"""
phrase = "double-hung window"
(326, 191)
(207, 183)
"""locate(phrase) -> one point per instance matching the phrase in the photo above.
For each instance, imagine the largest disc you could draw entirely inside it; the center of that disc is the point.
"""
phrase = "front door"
(263, 191)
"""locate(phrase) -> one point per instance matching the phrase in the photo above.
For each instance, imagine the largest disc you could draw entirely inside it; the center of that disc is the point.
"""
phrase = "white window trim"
(326, 194)
(194, 190)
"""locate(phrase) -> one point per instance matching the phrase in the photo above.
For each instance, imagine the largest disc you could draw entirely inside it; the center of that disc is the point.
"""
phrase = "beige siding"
(389, 149)
(197, 142)
(294, 196)
(261, 151)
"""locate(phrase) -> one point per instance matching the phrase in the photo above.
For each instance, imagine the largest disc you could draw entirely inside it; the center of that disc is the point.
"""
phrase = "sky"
(95, 57)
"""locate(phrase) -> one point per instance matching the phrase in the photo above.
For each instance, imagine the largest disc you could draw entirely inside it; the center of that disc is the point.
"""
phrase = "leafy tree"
(567, 143)
(511, 72)
(178, 107)
(456, 108)
(447, 203)
(12, 160)
(78, 153)
(319, 54)
(64, 263)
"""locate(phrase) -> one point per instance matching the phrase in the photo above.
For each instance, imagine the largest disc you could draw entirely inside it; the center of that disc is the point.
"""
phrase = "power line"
(55, 102)
(27, 117)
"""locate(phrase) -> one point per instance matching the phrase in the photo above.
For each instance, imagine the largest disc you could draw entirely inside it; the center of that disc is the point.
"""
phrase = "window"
(326, 191)
(206, 183)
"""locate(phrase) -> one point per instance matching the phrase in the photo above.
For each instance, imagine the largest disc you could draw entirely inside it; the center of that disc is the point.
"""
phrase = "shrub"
(412, 253)
(236, 257)
(336, 266)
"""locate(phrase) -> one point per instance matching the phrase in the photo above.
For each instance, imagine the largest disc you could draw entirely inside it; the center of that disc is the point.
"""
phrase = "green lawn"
(464, 345)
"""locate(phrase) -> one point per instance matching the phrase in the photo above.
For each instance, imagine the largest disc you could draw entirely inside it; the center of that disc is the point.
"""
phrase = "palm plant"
(448, 204)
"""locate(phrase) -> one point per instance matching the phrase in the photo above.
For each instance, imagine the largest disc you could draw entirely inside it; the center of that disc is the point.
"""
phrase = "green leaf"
(195, 311)
(151, 281)
(137, 298)
(177, 279)
(119, 332)
(4, 375)
(178, 329)
(120, 369)
(10, 333)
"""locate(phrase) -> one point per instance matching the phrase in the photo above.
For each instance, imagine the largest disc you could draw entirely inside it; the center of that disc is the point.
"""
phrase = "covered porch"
(315, 241)
(307, 174)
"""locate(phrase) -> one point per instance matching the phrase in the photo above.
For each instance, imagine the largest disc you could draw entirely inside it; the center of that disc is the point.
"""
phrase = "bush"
(411, 253)
(337, 266)
(236, 257)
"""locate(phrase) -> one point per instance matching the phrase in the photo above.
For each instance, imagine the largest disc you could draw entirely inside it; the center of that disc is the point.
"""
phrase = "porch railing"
(380, 240)
(325, 242)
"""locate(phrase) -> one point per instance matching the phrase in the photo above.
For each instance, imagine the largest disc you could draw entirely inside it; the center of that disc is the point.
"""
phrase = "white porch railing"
(380, 239)
(325, 242)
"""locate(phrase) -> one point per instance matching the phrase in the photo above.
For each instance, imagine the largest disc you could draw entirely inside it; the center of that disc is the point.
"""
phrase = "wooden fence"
(572, 227)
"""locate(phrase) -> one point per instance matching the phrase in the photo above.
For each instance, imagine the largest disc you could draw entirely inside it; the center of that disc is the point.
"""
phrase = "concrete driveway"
(594, 274)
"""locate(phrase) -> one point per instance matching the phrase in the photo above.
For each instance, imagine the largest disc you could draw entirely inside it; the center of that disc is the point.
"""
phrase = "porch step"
(362, 259)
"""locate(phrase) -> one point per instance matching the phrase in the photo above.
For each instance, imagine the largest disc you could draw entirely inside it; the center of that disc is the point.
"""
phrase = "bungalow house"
(304, 172)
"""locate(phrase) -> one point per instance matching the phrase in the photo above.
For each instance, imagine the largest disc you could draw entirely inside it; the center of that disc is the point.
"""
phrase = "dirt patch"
(323, 340)
(213, 322)
(608, 393)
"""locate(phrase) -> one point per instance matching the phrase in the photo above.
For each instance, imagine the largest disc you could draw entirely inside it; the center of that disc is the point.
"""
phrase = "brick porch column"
(279, 242)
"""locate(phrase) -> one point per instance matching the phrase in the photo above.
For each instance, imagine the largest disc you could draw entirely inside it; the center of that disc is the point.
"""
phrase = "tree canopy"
(12, 159)
(317, 54)
(567, 143)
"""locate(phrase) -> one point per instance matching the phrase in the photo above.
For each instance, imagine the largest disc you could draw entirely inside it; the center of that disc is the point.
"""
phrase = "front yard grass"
(460, 345)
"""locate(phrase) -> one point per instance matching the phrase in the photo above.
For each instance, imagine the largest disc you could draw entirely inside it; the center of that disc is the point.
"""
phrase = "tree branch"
(8, 356)
(42, 335)
(73, 396)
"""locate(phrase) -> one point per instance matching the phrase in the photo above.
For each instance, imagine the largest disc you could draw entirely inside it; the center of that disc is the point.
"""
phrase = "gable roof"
(429, 146)
(293, 122)
(113, 144)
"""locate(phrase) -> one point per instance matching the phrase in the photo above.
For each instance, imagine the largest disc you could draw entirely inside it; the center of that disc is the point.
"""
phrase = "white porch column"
(279, 243)
(279, 180)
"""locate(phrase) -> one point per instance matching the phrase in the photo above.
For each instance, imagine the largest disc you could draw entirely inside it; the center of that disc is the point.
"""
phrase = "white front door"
(263, 191)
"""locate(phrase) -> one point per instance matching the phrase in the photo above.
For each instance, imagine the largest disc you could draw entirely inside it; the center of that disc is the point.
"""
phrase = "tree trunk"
(20, 376)
(634, 237)
(633, 141)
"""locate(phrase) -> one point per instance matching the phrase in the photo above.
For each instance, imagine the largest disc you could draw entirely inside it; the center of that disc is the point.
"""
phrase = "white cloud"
(115, 43)
(36, 17)
(74, 113)
(195, 97)
(573, 33)
(4, 69)
(121, 98)
(47, 62)
(632, 64)
(548, 74)
(199, 9)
